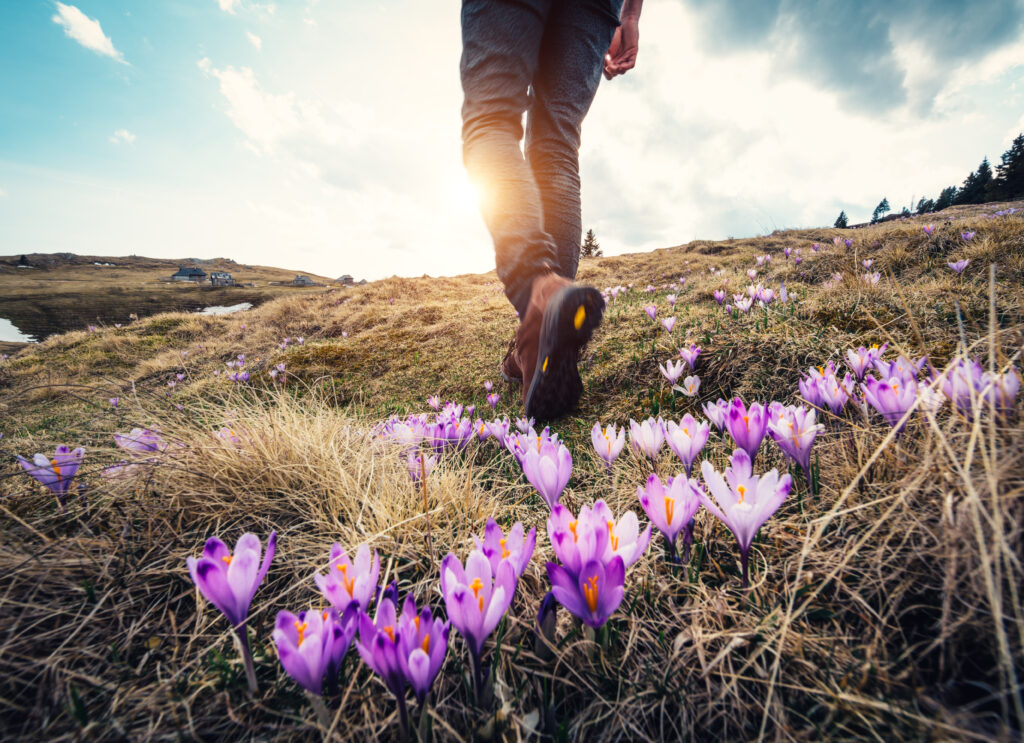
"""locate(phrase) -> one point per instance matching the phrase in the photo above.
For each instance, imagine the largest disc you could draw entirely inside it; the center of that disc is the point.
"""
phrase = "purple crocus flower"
(422, 645)
(672, 370)
(481, 430)
(513, 547)
(305, 644)
(114, 401)
(476, 598)
(548, 467)
(594, 594)
(671, 508)
(929, 229)
(492, 400)
(891, 397)
(524, 425)
(686, 439)
(607, 442)
(747, 426)
(625, 539)
(229, 582)
(488, 385)
(647, 437)
(901, 367)
(742, 500)
(786, 252)
(347, 582)
(689, 355)
(499, 430)
(860, 360)
(959, 266)
(56, 472)
(378, 647)
(716, 413)
(967, 236)
(847, 241)
(794, 430)
(719, 295)
(434, 401)
(651, 310)
(835, 394)
(690, 386)
(575, 541)
(668, 323)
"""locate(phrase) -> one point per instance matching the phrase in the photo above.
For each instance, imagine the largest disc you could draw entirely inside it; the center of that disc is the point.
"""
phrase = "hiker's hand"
(621, 55)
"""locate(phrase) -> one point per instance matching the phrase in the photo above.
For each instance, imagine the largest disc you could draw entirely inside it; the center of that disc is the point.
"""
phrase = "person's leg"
(500, 46)
(576, 38)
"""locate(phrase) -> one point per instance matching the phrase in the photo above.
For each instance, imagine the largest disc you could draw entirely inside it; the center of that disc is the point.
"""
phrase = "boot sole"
(569, 321)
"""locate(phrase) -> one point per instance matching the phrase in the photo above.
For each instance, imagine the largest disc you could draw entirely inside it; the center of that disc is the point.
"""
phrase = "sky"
(324, 135)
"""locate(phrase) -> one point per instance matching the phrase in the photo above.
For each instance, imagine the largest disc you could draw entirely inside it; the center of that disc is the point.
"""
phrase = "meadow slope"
(885, 605)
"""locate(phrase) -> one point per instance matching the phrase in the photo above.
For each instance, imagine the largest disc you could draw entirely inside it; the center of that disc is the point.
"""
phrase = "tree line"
(982, 185)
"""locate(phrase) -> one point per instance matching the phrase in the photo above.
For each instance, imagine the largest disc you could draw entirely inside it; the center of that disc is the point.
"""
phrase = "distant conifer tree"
(946, 198)
(841, 220)
(881, 210)
(975, 186)
(590, 247)
(925, 205)
(1009, 180)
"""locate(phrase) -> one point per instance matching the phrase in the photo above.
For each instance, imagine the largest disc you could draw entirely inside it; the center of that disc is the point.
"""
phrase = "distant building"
(302, 281)
(189, 274)
(221, 278)
(345, 280)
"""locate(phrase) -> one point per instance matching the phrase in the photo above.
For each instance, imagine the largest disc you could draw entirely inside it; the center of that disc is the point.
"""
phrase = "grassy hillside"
(63, 291)
(886, 605)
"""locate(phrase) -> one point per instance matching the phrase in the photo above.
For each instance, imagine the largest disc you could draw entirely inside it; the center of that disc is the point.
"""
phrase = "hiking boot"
(510, 370)
(560, 319)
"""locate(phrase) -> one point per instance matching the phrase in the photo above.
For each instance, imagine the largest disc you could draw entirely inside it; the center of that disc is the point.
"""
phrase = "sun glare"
(463, 193)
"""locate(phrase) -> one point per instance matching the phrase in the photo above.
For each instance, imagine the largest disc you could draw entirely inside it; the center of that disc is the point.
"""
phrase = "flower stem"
(745, 567)
(322, 715)
(242, 641)
(479, 679)
(403, 715)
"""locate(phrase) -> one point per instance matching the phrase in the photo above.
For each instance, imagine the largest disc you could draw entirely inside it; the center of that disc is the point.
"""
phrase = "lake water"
(10, 333)
(221, 310)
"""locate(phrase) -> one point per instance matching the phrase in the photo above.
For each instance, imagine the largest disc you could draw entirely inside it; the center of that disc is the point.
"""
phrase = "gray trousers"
(542, 57)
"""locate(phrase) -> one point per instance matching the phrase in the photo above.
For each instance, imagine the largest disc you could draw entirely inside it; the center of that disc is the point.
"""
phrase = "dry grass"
(886, 607)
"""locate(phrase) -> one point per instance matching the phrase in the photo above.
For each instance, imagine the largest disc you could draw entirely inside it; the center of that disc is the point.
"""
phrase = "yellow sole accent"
(581, 315)
(544, 366)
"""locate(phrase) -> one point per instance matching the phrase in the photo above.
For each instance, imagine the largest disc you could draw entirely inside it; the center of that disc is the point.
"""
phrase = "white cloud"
(122, 135)
(228, 6)
(86, 31)
(255, 40)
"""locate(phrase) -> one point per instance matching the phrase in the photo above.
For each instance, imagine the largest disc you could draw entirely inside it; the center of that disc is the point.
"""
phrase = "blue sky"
(324, 135)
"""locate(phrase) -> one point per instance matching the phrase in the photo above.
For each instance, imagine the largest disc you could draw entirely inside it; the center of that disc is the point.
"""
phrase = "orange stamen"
(670, 506)
(301, 627)
(475, 586)
(349, 583)
(227, 559)
(391, 632)
(611, 535)
(742, 490)
(590, 592)
(504, 552)
(572, 528)
(426, 644)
